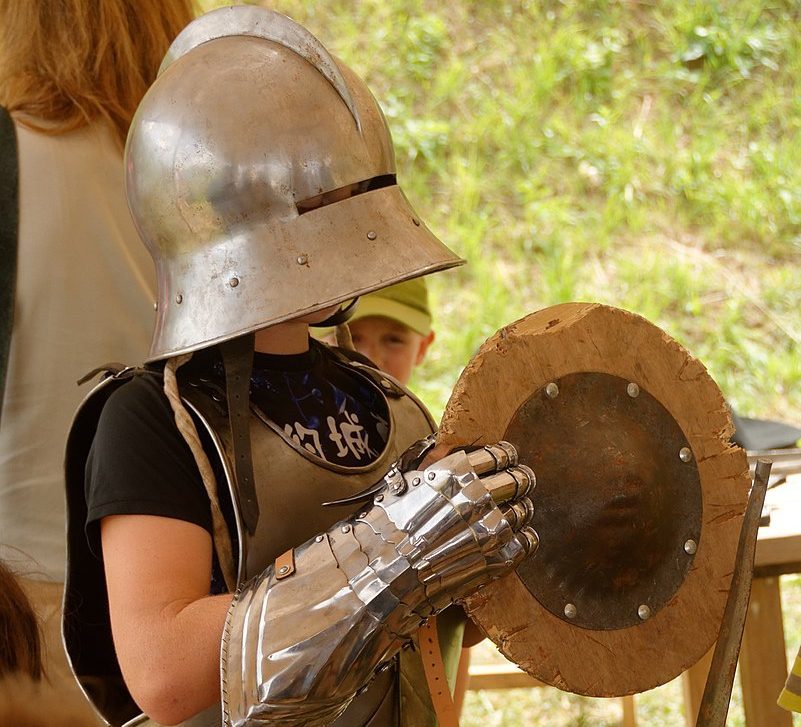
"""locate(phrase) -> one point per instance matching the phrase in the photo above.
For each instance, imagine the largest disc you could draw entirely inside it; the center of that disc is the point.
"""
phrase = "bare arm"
(167, 629)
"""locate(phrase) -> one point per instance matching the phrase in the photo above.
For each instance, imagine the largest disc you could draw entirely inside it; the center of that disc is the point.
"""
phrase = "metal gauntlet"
(301, 642)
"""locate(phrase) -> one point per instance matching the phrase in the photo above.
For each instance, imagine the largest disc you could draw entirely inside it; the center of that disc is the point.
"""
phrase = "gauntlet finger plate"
(639, 499)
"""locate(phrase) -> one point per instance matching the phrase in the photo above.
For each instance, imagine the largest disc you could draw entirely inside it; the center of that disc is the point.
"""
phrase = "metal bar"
(717, 693)
(785, 461)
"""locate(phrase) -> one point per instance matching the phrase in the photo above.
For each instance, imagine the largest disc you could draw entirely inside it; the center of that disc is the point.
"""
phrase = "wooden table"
(763, 656)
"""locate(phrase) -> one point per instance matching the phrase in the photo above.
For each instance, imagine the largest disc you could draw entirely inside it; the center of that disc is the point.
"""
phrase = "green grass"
(640, 153)
(644, 154)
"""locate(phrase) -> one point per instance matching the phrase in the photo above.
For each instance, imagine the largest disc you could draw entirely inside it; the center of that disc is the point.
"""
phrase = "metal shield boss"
(638, 504)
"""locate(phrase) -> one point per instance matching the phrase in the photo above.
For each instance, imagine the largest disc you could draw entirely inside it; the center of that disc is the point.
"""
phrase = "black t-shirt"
(139, 464)
(321, 405)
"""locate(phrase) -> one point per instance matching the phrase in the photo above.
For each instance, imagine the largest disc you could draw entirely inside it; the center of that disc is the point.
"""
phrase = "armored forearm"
(303, 640)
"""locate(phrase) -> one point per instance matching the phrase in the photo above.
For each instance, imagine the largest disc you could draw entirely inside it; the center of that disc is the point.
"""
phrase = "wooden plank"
(779, 544)
(508, 676)
(763, 659)
(693, 683)
(629, 711)
(500, 676)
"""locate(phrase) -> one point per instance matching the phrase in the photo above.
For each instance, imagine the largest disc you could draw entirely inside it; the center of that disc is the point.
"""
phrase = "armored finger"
(529, 539)
(510, 484)
(519, 514)
(493, 457)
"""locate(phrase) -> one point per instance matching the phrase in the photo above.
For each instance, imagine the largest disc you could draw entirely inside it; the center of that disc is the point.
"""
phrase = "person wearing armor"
(258, 525)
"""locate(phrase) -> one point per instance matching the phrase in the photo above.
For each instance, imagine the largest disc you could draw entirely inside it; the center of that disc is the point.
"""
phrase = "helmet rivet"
(233, 282)
(179, 299)
(371, 235)
(303, 259)
(283, 569)
(156, 305)
(633, 390)
(690, 547)
(685, 454)
(571, 610)
(386, 384)
(644, 612)
(552, 390)
(319, 539)
(431, 475)
(416, 222)
(346, 528)
(416, 481)
(378, 498)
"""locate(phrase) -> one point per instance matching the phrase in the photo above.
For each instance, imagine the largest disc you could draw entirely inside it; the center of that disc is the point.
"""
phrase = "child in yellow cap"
(392, 327)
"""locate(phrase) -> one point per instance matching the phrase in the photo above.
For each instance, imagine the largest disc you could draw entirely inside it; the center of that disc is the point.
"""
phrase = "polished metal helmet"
(260, 174)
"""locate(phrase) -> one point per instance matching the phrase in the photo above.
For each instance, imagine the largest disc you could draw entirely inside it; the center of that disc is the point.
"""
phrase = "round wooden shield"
(638, 504)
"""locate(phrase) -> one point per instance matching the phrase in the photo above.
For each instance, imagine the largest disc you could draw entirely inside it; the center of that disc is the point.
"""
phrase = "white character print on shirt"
(349, 436)
(301, 435)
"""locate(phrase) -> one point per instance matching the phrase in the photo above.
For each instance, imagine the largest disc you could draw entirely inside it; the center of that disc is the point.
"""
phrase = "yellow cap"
(406, 303)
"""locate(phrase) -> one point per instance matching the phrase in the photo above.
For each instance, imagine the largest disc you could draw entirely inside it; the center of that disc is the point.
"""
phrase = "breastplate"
(291, 483)
(291, 486)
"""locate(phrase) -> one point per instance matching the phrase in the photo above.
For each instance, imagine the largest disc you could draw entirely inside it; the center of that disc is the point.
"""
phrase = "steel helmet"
(260, 174)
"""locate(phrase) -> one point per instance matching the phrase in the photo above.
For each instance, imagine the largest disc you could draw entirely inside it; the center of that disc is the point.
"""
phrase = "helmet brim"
(348, 249)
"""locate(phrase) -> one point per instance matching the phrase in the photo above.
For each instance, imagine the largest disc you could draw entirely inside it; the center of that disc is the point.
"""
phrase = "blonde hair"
(68, 63)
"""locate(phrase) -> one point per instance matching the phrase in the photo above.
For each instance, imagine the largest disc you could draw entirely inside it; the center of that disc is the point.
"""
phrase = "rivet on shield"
(371, 235)
(633, 390)
(179, 299)
(644, 612)
(303, 259)
(571, 610)
(552, 390)
(416, 222)
(233, 282)
(690, 547)
(685, 454)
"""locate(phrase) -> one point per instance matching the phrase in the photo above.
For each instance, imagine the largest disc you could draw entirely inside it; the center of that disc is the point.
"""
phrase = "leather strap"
(237, 355)
(285, 565)
(434, 668)
(9, 223)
